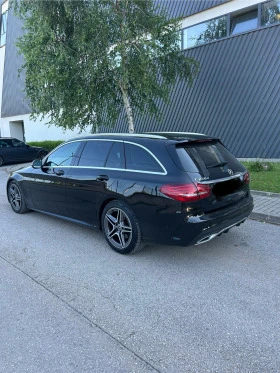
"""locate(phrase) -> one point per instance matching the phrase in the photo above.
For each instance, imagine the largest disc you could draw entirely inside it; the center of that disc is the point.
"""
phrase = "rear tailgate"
(209, 162)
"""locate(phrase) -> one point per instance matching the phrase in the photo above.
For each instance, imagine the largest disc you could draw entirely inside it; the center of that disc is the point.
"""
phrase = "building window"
(257, 16)
(244, 22)
(4, 16)
(271, 13)
(206, 32)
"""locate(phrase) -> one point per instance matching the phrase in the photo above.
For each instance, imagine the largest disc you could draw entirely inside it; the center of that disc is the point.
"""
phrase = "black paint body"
(79, 193)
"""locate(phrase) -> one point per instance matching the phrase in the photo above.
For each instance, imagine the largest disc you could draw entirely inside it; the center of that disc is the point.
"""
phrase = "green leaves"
(82, 55)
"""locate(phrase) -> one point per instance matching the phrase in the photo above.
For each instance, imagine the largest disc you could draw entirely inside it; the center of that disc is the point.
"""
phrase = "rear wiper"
(217, 165)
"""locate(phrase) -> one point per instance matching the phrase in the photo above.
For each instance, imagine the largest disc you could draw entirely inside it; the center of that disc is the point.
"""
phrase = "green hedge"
(47, 144)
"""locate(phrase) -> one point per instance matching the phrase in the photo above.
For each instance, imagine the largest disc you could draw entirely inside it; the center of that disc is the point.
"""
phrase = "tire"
(1, 161)
(121, 229)
(16, 198)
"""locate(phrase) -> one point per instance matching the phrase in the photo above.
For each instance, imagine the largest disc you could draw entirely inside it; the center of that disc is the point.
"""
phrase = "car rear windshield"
(209, 158)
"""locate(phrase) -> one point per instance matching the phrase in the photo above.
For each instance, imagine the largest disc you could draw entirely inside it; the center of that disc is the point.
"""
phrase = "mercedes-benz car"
(165, 188)
(15, 151)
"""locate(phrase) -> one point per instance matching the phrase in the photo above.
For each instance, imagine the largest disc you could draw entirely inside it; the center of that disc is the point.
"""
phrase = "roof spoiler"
(197, 141)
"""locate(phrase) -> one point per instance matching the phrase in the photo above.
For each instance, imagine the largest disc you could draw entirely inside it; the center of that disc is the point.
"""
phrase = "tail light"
(186, 192)
(246, 177)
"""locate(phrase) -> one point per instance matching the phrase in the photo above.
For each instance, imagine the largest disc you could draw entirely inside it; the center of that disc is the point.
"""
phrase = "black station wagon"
(168, 188)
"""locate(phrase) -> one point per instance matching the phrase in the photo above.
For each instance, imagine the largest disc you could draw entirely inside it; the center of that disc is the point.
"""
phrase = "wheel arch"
(21, 196)
(102, 207)
(105, 203)
(14, 177)
(123, 233)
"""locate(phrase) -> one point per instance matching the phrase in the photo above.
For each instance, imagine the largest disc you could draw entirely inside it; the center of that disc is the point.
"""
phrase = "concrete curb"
(265, 194)
(264, 218)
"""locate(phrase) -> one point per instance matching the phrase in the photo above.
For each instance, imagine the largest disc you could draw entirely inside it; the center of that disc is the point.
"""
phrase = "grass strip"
(265, 176)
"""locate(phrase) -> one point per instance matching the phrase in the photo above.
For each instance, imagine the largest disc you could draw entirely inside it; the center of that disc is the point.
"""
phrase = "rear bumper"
(210, 237)
(201, 229)
(184, 230)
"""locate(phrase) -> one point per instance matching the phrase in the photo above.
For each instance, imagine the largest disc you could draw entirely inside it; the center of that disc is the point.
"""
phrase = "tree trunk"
(128, 109)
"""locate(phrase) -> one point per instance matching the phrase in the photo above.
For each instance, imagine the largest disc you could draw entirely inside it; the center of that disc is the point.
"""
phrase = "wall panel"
(235, 97)
(13, 98)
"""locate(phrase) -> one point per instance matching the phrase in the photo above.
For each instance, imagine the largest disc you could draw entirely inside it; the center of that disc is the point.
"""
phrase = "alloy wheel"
(118, 228)
(15, 197)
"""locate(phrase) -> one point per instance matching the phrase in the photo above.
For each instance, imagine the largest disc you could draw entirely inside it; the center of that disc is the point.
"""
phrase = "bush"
(47, 144)
(259, 166)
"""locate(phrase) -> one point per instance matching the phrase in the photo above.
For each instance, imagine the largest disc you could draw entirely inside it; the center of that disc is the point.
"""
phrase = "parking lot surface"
(68, 303)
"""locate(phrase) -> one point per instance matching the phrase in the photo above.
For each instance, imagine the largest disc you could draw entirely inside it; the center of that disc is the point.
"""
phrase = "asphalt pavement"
(69, 304)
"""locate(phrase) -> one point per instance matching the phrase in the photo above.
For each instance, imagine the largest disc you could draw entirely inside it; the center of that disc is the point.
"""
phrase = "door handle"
(102, 178)
(58, 172)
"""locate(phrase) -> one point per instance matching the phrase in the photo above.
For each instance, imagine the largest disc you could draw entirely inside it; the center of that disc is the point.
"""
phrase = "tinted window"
(95, 153)
(208, 158)
(18, 143)
(140, 159)
(4, 144)
(116, 156)
(62, 156)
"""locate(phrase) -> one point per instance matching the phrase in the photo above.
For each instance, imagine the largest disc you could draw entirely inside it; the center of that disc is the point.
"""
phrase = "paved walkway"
(266, 207)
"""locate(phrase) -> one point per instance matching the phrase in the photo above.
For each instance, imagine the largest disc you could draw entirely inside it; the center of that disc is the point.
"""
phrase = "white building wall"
(37, 130)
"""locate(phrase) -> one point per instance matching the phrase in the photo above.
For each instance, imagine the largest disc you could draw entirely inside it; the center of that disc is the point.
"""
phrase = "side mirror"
(37, 163)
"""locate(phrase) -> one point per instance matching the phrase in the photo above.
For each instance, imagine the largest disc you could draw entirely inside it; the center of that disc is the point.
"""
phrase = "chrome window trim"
(109, 168)
(236, 176)
(118, 169)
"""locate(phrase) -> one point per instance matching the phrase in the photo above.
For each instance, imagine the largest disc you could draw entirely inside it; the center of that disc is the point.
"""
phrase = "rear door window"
(115, 158)
(95, 153)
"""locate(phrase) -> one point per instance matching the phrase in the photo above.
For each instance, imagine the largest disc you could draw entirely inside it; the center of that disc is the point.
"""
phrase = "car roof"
(166, 136)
